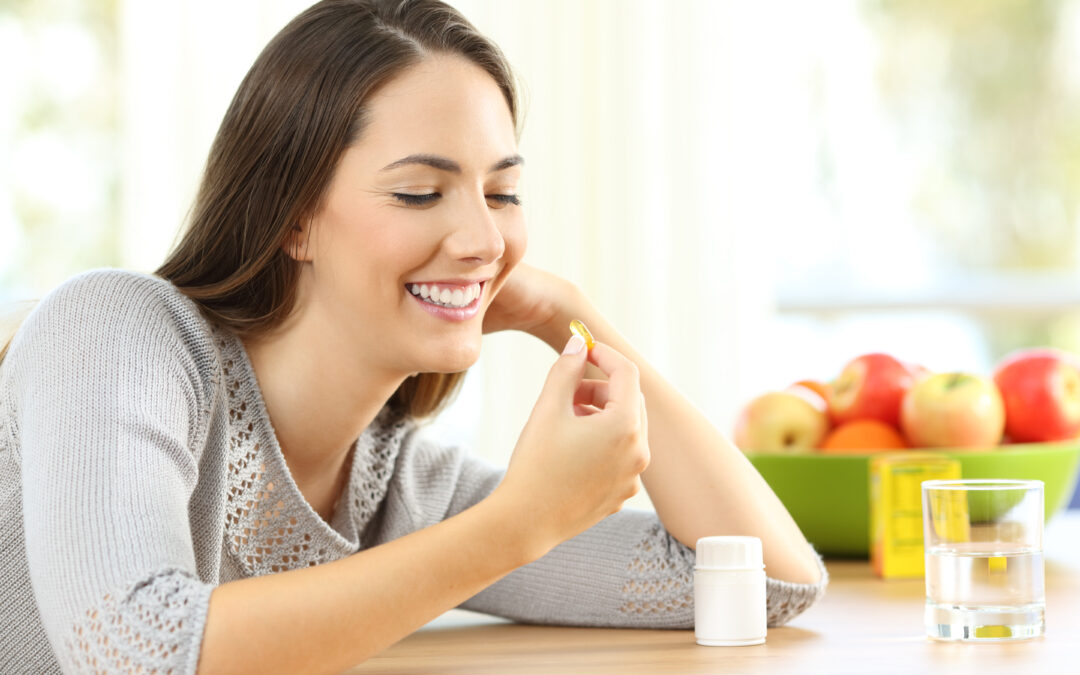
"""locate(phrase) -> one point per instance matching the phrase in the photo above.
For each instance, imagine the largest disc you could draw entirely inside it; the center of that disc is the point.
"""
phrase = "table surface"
(862, 625)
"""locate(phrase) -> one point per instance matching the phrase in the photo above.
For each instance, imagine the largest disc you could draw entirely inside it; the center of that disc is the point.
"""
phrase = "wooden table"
(862, 625)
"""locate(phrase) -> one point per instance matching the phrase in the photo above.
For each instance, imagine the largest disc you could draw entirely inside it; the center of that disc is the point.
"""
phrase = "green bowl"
(828, 495)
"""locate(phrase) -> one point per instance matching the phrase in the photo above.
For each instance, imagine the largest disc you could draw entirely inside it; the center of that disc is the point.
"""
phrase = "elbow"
(786, 600)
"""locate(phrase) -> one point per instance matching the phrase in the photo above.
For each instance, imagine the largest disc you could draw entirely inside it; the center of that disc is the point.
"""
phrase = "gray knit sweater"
(139, 470)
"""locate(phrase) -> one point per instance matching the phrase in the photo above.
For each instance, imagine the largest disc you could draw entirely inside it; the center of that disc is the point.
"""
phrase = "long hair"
(298, 109)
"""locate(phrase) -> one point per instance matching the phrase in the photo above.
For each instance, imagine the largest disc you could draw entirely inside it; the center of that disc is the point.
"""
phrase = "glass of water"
(984, 559)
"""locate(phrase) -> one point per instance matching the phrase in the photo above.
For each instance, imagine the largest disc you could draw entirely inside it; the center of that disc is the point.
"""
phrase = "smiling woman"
(219, 467)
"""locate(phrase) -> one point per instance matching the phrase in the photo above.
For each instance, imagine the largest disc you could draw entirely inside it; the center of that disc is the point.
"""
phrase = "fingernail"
(574, 345)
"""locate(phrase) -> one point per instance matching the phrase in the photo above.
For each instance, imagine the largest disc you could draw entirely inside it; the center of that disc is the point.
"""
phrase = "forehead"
(443, 105)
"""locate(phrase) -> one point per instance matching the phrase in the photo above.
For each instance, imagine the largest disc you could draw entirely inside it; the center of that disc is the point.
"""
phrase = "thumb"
(565, 374)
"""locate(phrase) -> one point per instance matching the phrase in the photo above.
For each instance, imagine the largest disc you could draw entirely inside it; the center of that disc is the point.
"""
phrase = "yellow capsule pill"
(579, 328)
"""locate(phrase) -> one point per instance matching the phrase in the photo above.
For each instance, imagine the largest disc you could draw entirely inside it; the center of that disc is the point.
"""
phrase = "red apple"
(954, 410)
(1041, 389)
(870, 387)
(781, 422)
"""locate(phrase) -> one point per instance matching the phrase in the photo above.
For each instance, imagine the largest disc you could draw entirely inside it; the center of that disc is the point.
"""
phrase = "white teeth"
(458, 297)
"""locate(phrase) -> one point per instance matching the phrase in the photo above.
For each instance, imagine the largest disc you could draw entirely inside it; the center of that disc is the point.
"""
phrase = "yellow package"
(896, 522)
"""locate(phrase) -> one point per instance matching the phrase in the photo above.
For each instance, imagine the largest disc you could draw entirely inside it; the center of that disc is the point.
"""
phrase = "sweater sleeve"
(626, 571)
(109, 411)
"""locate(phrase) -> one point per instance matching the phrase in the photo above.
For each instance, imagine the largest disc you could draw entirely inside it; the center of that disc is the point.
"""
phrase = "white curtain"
(646, 185)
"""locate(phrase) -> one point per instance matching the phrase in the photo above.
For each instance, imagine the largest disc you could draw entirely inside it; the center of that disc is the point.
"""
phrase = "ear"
(297, 244)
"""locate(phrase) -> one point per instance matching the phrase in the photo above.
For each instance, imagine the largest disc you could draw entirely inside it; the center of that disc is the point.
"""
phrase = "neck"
(319, 392)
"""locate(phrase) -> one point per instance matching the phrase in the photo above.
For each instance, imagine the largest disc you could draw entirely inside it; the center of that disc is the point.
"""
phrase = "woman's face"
(424, 201)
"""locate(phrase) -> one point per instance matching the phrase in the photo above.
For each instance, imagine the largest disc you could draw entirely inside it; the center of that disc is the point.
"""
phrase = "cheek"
(388, 243)
(372, 257)
(516, 238)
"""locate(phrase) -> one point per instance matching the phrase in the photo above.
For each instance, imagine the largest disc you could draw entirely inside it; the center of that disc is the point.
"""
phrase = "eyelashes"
(431, 197)
(506, 199)
(415, 200)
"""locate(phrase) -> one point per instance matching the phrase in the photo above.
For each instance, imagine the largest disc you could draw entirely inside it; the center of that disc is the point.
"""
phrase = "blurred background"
(753, 193)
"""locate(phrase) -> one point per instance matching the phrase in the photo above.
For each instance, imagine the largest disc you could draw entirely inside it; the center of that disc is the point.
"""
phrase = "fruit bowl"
(828, 495)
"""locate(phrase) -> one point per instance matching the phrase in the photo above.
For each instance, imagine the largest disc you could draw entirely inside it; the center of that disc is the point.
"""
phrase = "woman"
(218, 467)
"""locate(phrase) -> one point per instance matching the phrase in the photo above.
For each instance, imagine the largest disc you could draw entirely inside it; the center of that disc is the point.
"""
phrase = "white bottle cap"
(729, 553)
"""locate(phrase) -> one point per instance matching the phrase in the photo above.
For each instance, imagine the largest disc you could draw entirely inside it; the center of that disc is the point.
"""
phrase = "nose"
(476, 236)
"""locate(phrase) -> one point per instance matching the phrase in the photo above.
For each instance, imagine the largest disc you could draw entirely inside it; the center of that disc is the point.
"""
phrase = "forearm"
(699, 483)
(330, 617)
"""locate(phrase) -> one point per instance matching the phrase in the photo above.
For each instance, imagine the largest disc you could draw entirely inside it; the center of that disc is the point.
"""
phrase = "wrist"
(571, 304)
(517, 526)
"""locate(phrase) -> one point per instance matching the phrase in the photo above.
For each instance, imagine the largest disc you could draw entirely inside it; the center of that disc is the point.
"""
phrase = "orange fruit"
(863, 436)
(814, 385)
(809, 395)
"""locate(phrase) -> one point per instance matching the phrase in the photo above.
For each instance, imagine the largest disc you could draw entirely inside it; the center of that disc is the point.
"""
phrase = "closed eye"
(429, 198)
(416, 200)
(506, 199)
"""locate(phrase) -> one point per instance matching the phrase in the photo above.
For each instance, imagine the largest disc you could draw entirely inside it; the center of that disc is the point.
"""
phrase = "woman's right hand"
(582, 450)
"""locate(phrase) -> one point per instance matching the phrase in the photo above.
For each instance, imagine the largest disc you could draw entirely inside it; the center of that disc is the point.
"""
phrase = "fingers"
(624, 387)
(592, 396)
(592, 392)
(565, 375)
(644, 418)
(584, 410)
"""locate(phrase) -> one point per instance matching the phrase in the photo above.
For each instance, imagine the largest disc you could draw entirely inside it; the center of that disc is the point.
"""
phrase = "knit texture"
(139, 470)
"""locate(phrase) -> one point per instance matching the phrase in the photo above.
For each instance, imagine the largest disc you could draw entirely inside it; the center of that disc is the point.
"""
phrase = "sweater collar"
(269, 526)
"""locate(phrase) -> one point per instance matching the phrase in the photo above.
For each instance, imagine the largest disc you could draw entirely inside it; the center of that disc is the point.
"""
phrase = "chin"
(456, 361)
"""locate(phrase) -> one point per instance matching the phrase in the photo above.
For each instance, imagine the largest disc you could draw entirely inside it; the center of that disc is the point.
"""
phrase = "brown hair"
(296, 111)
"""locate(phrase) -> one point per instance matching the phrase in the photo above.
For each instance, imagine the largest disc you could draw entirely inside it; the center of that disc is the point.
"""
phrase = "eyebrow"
(444, 164)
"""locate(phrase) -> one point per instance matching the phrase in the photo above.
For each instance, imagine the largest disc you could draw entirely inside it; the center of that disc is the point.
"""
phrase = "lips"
(467, 307)
(451, 284)
(453, 296)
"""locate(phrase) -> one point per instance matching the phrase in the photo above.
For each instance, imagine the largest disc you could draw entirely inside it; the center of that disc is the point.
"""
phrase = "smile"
(447, 295)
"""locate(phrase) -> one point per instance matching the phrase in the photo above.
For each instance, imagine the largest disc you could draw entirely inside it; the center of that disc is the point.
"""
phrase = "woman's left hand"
(529, 300)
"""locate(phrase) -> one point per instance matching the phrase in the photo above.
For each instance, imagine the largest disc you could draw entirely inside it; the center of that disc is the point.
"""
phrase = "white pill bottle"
(729, 592)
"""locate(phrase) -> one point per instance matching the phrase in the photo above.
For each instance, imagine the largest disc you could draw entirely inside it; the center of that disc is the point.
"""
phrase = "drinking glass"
(984, 559)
